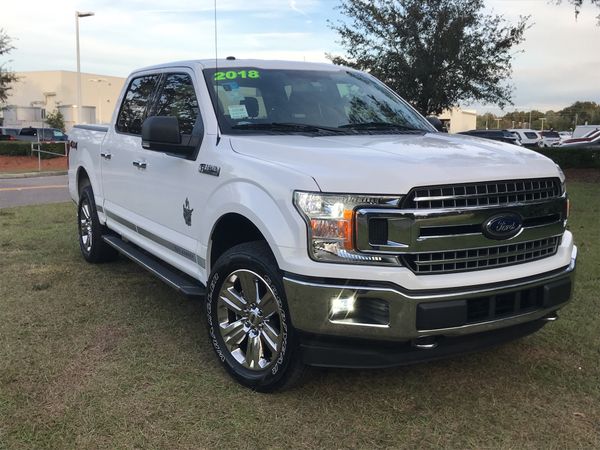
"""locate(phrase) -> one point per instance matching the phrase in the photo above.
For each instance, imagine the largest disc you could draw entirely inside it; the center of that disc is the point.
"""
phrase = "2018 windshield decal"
(232, 74)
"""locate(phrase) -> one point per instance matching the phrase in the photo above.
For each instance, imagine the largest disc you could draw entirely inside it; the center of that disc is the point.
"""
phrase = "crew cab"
(323, 221)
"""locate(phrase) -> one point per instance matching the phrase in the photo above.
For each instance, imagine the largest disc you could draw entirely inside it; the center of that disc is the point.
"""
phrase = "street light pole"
(542, 119)
(78, 105)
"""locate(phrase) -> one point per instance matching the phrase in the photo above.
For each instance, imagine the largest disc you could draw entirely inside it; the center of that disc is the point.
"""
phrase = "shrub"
(574, 157)
(12, 148)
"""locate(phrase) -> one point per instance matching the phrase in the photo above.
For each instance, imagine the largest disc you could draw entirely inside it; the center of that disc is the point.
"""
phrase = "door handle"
(106, 155)
(140, 164)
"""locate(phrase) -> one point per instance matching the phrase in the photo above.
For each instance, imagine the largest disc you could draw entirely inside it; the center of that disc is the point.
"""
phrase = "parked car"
(565, 135)
(584, 136)
(528, 137)
(549, 139)
(42, 134)
(7, 134)
(322, 220)
(495, 135)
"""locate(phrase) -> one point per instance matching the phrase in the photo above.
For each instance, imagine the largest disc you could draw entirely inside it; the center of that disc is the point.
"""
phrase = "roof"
(259, 63)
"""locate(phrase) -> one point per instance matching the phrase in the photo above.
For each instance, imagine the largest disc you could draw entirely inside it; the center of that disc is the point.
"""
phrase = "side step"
(171, 276)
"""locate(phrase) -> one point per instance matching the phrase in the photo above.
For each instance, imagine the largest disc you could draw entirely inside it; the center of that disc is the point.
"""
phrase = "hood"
(394, 164)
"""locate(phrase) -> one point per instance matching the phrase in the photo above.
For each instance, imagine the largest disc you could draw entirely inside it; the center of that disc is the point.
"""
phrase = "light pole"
(99, 81)
(542, 119)
(78, 105)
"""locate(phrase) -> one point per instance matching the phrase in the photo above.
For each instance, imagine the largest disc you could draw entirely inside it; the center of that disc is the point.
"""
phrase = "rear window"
(135, 103)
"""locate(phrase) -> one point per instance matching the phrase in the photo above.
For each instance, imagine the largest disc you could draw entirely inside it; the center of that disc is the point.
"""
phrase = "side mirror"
(437, 123)
(161, 133)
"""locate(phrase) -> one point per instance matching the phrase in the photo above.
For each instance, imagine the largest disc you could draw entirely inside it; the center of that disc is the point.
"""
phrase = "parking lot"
(108, 356)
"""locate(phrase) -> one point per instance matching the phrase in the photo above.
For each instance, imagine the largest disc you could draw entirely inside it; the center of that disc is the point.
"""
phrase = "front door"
(170, 191)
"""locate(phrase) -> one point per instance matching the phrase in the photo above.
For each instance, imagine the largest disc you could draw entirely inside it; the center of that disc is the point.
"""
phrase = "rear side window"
(133, 109)
(531, 135)
(28, 132)
(178, 99)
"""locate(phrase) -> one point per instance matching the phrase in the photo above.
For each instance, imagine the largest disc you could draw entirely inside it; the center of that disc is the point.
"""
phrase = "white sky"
(560, 63)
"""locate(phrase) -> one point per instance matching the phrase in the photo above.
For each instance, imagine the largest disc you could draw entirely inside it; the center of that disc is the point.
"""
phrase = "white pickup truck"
(323, 220)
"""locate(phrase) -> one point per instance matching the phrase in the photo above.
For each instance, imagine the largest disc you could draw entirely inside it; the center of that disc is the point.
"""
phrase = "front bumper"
(386, 313)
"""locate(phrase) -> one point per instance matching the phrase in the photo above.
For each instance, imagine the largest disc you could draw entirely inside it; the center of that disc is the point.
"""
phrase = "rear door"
(121, 148)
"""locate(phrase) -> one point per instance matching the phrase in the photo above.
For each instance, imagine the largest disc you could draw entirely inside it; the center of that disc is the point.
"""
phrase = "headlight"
(330, 221)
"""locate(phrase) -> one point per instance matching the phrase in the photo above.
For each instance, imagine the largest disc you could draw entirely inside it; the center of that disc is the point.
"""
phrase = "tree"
(6, 76)
(579, 3)
(434, 53)
(579, 113)
(56, 120)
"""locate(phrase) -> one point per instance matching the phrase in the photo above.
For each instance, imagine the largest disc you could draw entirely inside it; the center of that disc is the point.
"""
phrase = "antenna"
(216, 105)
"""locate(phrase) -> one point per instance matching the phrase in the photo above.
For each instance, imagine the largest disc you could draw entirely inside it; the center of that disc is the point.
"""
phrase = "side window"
(178, 99)
(133, 109)
(28, 132)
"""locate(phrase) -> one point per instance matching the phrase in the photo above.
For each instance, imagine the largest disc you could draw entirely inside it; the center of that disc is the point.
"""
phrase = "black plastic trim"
(324, 351)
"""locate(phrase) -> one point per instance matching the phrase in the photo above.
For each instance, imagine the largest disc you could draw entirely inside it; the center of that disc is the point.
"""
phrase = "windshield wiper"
(280, 126)
(379, 125)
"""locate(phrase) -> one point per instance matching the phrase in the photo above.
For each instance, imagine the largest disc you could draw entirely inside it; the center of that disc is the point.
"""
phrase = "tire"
(92, 246)
(252, 334)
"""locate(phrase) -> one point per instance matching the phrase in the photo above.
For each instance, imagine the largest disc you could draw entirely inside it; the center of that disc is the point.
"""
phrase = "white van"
(528, 136)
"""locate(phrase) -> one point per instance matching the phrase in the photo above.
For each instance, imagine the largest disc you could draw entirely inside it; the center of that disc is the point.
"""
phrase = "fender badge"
(187, 213)
(209, 169)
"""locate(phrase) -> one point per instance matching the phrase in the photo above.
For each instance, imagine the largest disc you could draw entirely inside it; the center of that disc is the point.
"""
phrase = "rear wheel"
(93, 248)
(249, 322)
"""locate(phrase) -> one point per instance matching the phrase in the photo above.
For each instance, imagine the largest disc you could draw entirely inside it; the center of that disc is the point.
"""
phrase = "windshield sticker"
(232, 74)
(238, 112)
(230, 86)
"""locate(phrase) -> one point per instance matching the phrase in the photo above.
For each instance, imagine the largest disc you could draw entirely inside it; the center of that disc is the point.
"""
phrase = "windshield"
(255, 100)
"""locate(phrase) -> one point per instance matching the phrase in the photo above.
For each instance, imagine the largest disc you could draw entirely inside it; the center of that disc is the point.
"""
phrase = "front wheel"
(248, 319)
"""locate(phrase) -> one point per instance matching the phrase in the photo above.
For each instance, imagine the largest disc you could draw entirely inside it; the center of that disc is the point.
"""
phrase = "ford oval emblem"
(503, 226)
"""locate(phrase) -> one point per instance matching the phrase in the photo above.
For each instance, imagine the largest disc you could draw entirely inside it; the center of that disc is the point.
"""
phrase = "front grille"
(481, 258)
(496, 193)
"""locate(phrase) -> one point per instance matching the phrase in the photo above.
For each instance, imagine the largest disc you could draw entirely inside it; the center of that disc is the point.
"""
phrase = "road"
(33, 191)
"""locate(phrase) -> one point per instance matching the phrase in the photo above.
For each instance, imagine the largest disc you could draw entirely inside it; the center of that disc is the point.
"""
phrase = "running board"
(178, 281)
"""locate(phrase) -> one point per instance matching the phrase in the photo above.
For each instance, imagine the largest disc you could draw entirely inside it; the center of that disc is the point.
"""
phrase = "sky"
(558, 64)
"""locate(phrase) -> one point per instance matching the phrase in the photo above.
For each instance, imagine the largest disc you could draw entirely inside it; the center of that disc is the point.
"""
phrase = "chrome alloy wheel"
(85, 226)
(250, 320)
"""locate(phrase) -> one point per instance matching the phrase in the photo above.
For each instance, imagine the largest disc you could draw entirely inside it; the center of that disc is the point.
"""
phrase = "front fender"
(274, 216)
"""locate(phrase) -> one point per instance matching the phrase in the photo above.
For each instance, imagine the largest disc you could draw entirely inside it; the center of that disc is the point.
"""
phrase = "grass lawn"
(108, 356)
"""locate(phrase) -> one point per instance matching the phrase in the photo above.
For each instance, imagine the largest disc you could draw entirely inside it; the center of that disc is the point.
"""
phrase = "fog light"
(342, 306)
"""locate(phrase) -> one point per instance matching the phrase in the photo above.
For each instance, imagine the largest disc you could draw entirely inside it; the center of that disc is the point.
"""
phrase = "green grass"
(107, 356)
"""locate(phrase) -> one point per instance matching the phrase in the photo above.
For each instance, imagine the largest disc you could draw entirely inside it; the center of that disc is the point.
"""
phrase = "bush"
(12, 148)
(573, 158)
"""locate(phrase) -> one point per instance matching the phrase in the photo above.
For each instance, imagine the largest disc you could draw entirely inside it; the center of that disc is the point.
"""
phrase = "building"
(456, 120)
(37, 93)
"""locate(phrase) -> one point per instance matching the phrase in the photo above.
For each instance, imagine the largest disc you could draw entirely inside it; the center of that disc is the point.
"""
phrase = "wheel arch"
(229, 230)
(258, 215)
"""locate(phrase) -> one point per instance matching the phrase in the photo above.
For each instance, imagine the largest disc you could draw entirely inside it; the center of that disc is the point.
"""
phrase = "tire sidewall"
(88, 195)
(270, 378)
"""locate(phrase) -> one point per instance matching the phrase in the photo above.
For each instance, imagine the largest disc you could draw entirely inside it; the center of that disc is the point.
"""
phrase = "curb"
(32, 174)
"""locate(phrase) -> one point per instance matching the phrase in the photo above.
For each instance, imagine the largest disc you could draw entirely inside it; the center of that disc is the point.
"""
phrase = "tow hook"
(425, 343)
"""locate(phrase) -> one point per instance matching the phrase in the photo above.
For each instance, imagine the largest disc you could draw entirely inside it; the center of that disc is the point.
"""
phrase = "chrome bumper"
(310, 303)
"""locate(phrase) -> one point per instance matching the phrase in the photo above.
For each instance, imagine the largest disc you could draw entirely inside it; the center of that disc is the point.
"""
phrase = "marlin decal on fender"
(187, 213)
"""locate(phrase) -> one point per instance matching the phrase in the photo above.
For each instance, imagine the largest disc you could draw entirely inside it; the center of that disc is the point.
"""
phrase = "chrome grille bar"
(496, 193)
(481, 258)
